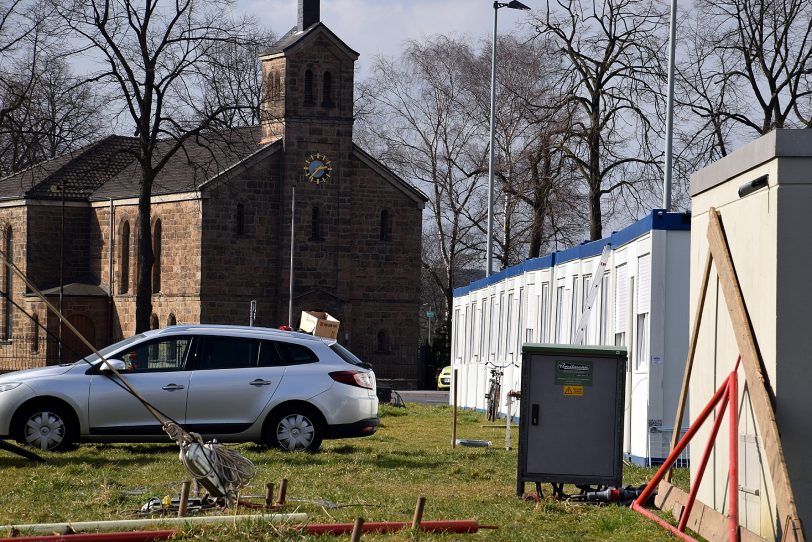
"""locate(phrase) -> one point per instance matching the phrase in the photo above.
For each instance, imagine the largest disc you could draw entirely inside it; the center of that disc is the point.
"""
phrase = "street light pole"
(514, 4)
(669, 112)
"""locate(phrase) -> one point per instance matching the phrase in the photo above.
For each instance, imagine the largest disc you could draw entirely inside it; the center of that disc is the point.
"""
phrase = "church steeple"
(308, 14)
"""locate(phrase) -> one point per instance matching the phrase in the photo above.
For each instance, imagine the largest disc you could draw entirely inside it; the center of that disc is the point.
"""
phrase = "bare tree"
(538, 192)
(748, 68)
(423, 124)
(155, 56)
(610, 77)
(23, 34)
(58, 114)
(234, 76)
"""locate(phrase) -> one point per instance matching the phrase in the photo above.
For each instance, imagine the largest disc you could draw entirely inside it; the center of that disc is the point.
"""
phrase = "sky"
(381, 27)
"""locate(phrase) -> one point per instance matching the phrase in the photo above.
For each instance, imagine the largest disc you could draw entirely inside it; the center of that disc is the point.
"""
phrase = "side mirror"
(118, 364)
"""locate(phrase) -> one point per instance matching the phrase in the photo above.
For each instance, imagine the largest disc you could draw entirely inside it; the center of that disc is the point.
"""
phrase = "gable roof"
(415, 194)
(295, 38)
(80, 172)
(200, 160)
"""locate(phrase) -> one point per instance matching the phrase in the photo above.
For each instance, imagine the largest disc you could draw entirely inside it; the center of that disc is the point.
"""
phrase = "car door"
(232, 382)
(157, 370)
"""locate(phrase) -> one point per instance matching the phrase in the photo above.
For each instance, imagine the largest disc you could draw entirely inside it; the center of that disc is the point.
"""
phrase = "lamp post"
(514, 4)
(669, 115)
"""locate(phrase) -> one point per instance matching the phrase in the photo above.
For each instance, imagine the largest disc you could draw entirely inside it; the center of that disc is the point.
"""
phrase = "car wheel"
(295, 429)
(45, 427)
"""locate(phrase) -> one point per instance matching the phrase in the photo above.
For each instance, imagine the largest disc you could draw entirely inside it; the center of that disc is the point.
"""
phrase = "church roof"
(201, 159)
(412, 192)
(80, 172)
(294, 37)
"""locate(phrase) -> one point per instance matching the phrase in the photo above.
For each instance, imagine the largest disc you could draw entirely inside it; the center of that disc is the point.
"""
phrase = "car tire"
(295, 429)
(44, 427)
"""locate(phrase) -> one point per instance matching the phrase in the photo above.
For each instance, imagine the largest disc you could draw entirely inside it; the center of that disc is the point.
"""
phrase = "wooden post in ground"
(418, 512)
(357, 530)
(184, 497)
(689, 361)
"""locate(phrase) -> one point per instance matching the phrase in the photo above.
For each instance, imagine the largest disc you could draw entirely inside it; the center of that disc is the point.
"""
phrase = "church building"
(229, 222)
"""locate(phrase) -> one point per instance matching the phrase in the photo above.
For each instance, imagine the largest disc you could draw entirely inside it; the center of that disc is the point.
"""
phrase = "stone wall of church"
(13, 220)
(45, 229)
(241, 247)
(180, 256)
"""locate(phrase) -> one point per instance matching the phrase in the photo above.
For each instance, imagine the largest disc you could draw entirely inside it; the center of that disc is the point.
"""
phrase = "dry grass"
(378, 477)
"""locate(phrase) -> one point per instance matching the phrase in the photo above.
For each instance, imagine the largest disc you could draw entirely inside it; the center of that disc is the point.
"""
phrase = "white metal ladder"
(594, 288)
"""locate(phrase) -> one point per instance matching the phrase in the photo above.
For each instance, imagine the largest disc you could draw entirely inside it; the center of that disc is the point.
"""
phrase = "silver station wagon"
(231, 383)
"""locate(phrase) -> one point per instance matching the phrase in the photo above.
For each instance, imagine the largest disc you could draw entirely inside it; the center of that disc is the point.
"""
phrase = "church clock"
(318, 168)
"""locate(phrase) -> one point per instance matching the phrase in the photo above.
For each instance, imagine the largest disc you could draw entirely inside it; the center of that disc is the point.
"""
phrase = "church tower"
(307, 78)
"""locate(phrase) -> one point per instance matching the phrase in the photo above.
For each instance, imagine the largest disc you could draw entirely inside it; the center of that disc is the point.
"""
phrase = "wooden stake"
(184, 497)
(418, 512)
(689, 361)
(357, 530)
(269, 495)
(283, 490)
(761, 396)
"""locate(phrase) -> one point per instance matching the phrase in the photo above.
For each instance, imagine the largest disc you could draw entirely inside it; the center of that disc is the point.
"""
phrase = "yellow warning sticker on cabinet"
(574, 391)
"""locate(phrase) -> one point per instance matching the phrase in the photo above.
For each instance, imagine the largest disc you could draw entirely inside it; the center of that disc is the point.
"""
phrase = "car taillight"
(362, 379)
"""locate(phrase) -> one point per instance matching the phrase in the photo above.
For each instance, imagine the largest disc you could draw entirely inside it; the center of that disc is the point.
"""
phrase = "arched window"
(153, 321)
(383, 341)
(7, 323)
(171, 321)
(386, 226)
(270, 86)
(327, 90)
(124, 259)
(239, 227)
(308, 88)
(315, 224)
(277, 84)
(156, 256)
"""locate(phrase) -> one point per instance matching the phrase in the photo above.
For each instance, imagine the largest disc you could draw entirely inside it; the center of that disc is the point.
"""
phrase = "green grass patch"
(378, 478)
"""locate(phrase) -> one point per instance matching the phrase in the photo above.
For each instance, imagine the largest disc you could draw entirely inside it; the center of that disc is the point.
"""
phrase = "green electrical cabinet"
(571, 423)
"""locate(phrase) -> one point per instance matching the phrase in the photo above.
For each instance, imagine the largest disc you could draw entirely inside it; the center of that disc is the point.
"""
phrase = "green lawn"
(378, 478)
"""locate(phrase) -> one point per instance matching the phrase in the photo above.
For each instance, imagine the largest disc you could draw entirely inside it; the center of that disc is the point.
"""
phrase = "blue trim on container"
(657, 220)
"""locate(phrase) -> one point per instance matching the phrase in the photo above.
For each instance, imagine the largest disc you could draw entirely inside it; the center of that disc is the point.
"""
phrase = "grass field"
(378, 478)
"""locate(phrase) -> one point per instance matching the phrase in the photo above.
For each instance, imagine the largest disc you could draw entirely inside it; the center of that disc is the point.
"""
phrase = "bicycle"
(494, 394)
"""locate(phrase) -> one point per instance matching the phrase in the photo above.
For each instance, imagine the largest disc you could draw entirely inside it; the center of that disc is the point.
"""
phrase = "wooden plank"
(710, 524)
(689, 361)
(758, 386)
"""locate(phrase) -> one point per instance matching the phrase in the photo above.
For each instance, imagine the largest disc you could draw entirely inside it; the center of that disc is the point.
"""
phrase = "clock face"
(318, 168)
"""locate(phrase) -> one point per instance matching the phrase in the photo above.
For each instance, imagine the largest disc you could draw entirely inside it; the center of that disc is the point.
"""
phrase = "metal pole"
(292, 228)
(669, 112)
(489, 246)
(61, 270)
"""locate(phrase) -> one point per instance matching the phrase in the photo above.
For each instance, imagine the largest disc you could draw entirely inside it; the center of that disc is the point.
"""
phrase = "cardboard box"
(320, 324)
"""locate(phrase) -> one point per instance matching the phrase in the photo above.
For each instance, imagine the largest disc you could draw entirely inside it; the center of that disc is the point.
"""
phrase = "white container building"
(642, 304)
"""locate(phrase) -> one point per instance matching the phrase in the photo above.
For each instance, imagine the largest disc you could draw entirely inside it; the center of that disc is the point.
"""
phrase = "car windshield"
(93, 359)
(348, 356)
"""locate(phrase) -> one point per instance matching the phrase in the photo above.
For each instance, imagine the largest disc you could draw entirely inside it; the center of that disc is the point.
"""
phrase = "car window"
(295, 354)
(269, 355)
(347, 356)
(228, 353)
(164, 354)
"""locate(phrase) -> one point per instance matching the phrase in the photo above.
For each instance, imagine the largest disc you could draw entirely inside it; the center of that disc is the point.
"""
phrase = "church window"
(7, 323)
(156, 257)
(327, 90)
(240, 225)
(315, 224)
(124, 259)
(153, 321)
(171, 321)
(383, 341)
(386, 226)
(277, 85)
(308, 88)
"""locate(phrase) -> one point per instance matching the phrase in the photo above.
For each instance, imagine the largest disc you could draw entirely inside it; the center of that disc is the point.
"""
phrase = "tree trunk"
(143, 291)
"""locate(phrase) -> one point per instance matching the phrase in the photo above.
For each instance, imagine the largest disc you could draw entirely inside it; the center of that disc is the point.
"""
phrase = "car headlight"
(7, 386)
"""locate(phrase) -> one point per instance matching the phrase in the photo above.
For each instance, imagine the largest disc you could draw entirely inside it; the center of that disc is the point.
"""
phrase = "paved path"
(425, 396)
